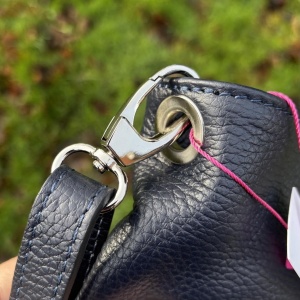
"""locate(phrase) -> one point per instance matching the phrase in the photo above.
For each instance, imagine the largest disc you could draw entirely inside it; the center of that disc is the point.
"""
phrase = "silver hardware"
(167, 110)
(122, 144)
(121, 138)
(102, 161)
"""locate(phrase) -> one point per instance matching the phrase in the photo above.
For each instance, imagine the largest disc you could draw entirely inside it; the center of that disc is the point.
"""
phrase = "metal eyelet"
(166, 111)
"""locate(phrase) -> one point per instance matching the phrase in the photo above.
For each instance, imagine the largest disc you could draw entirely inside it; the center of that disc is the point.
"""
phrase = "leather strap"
(64, 234)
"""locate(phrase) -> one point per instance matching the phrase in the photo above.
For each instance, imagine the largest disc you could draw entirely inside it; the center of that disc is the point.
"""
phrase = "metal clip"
(102, 162)
(122, 144)
(121, 138)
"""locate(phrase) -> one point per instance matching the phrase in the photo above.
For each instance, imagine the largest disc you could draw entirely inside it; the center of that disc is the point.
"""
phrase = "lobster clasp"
(122, 140)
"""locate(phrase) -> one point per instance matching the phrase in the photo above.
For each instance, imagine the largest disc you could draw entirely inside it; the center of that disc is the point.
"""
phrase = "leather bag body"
(194, 233)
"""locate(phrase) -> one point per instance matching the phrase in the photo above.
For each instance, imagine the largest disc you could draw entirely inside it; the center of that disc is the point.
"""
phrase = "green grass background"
(67, 66)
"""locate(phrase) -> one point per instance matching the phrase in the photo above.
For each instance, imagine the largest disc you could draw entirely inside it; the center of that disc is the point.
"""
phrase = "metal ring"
(168, 109)
(104, 160)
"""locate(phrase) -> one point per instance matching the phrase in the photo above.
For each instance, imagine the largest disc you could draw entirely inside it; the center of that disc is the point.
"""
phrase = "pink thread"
(197, 145)
(293, 108)
(288, 265)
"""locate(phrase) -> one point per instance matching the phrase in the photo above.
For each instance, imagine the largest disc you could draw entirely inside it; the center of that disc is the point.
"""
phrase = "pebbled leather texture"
(194, 233)
(65, 227)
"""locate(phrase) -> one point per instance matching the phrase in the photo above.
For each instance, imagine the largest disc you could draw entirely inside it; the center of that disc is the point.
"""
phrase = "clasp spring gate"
(117, 151)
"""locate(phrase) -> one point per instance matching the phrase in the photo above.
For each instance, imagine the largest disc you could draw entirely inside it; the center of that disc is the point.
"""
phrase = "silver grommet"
(166, 111)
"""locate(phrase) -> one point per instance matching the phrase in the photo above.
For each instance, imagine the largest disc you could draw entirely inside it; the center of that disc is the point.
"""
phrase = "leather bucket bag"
(194, 232)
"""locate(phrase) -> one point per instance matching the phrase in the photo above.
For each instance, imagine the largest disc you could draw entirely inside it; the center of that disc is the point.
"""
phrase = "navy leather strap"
(64, 234)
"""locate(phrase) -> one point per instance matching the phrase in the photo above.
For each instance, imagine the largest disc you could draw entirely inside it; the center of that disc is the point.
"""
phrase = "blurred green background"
(67, 66)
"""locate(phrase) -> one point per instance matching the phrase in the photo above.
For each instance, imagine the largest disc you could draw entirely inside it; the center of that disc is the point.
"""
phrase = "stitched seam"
(37, 219)
(69, 248)
(206, 90)
(92, 254)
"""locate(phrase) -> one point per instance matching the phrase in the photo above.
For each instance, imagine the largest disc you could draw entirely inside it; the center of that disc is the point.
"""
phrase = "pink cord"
(293, 108)
(197, 145)
(288, 265)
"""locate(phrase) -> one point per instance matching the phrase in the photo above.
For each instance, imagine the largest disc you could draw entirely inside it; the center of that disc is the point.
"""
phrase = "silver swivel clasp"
(121, 144)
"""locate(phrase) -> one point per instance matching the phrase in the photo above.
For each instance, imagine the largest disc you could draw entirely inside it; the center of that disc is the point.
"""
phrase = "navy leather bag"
(193, 233)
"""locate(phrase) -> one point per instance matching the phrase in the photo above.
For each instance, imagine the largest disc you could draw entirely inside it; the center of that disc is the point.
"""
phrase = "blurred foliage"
(67, 66)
